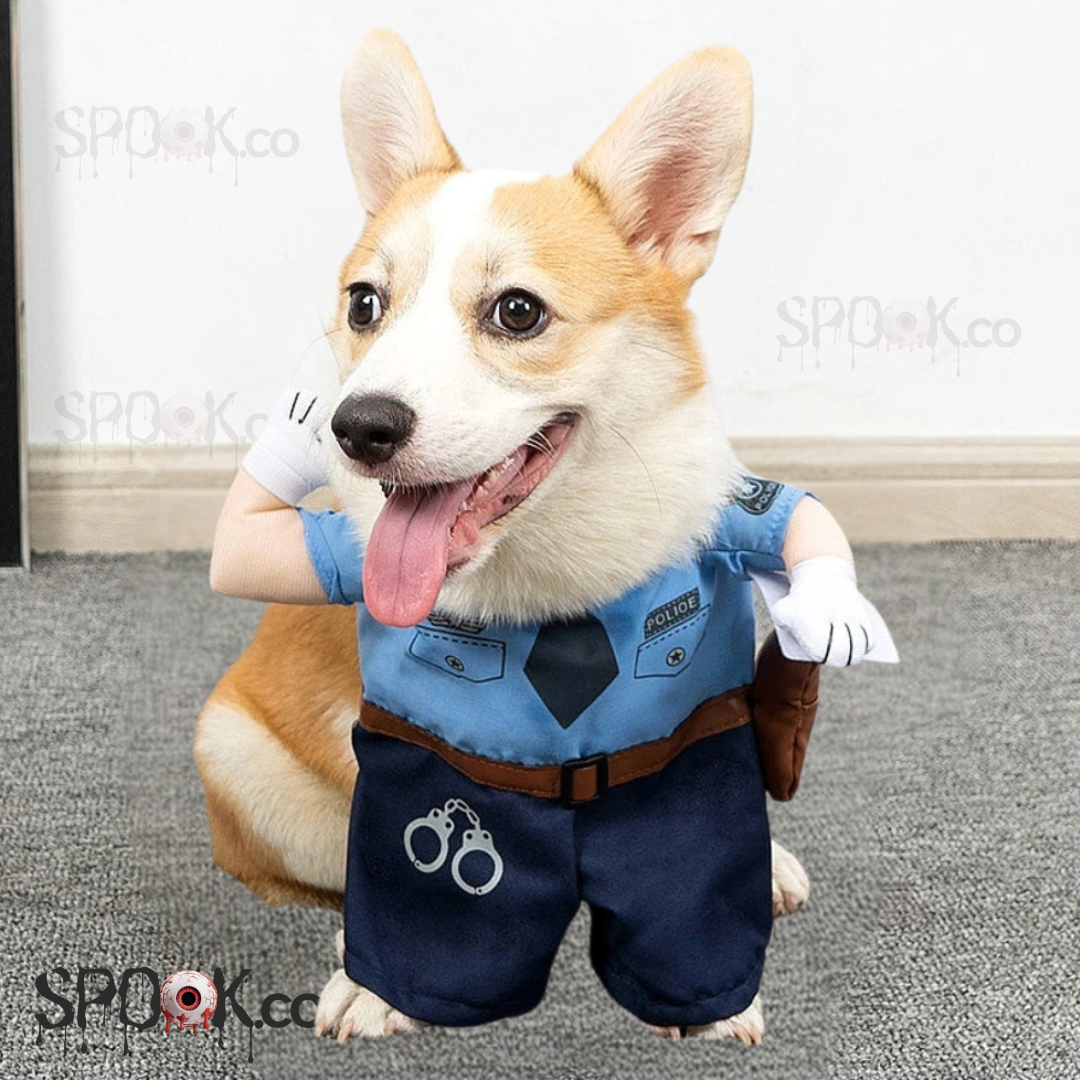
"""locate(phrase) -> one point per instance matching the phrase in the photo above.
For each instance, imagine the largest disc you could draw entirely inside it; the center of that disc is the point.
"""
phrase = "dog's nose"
(372, 427)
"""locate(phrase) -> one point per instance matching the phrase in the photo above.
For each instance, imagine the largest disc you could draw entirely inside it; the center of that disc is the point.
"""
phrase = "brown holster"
(784, 701)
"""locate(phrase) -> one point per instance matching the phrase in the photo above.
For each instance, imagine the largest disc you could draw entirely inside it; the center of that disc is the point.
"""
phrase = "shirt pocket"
(669, 654)
(474, 659)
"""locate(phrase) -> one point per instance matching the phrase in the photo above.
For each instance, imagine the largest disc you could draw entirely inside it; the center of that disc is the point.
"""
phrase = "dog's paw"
(748, 1027)
(348, 1010)
(790, 885)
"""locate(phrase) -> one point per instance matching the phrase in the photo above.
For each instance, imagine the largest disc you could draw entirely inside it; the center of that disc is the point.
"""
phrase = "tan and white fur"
(613, 249)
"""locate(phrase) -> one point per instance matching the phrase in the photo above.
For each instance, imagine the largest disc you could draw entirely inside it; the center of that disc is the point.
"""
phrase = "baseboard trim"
(900, 490)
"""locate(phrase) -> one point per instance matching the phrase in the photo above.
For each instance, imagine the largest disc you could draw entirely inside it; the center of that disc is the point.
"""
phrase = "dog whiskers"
(537, 441)
(641, 461)
(541, 443)
(650, 346)
(327, 331)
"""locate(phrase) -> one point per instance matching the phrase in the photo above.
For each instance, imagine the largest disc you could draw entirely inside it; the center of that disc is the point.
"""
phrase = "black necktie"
(570, 665)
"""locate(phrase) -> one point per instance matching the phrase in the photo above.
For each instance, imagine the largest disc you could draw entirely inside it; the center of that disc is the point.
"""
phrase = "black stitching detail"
(293, 406)
(851, 645)
(828, 646)
(455, 640)
(309, 408)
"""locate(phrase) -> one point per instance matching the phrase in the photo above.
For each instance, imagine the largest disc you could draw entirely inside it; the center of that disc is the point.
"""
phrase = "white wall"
(900, 150)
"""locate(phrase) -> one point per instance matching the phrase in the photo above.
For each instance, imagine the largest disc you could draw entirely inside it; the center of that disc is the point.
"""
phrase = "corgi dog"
(522, 437)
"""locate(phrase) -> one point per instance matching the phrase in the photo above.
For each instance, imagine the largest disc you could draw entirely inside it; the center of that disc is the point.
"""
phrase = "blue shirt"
(629, 672)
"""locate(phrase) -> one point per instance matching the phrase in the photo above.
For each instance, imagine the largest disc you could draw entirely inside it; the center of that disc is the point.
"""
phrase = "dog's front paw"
(348, 1010)
(748, 1027)
(790, 885)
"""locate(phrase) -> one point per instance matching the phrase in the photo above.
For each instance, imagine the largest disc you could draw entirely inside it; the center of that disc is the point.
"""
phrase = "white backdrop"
(901, 151)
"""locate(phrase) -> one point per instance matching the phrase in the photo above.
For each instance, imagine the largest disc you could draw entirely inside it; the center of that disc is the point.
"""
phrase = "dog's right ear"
(391, 132)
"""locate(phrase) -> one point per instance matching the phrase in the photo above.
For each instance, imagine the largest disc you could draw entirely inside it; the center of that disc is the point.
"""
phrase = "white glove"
(825, 613)
(288, 458)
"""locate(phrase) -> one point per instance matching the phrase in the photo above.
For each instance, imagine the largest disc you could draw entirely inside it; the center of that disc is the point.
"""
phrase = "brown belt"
(586, 779)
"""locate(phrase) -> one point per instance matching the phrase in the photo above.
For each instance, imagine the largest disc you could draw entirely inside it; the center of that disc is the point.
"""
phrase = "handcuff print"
(475, 838)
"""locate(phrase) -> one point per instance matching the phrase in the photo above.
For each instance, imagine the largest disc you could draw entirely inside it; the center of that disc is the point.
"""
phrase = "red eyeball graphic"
(907, 612)
(188, 999)
(906, 322)
(184, 133)
(184, 418)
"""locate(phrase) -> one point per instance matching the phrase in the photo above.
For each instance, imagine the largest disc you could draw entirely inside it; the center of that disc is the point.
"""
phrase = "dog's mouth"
(424, 532)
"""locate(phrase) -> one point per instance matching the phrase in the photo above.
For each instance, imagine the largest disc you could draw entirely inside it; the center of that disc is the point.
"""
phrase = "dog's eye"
(365, 307)
(518, 312)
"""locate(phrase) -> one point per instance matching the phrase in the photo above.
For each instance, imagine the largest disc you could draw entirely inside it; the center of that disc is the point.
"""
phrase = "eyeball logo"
(909, 613)
(184, 418)
(184, 133)
(906, 322)
(188, 998)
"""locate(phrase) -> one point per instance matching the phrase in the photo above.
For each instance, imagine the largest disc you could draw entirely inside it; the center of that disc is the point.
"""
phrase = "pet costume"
(509, 772)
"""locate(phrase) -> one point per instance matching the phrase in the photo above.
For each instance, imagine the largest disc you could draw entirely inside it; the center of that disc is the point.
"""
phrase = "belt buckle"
(566, 782)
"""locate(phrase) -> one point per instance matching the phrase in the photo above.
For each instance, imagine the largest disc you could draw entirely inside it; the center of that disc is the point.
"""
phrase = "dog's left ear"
(670, 167)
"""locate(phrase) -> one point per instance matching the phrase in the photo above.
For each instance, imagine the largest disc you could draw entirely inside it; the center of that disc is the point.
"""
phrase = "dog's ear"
(670, 167)
(391, 132)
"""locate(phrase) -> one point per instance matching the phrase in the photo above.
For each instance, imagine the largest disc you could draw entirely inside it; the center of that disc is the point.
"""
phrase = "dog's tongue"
(406, 558)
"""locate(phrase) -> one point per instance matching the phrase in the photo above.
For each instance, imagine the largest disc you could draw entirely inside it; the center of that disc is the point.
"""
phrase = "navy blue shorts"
(459, 894)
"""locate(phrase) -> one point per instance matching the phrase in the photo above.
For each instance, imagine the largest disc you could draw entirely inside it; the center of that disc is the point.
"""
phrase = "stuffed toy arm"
(819, 613)
(287, 459)
(259, 549)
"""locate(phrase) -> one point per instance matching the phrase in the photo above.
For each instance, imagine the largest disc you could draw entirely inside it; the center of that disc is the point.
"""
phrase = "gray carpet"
(938, 820)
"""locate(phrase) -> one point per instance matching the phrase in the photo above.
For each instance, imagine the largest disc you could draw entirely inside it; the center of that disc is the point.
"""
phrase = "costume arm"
(831, 621)
(812, 533)
(260, 551)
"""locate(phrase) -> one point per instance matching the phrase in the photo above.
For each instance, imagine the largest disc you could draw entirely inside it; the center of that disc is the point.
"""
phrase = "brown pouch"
(784, 700)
